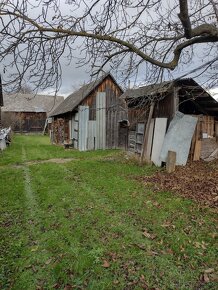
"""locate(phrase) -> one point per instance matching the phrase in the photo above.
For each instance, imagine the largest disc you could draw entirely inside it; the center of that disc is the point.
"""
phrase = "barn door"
(101, 120)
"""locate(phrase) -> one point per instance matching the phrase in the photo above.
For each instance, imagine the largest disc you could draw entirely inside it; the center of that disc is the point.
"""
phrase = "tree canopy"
(124, 35)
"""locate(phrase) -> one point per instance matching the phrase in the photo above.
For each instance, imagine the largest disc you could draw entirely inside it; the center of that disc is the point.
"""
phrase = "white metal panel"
(75, 143)
(75, 135)
(101, 120)
(70, 128)
(77, 117)
(91, 135)
(76, 125)
(83, 127)
(179, 137)
(159, 134)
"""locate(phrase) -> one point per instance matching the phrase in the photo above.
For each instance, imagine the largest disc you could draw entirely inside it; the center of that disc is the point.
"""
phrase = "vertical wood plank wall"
(101, 127)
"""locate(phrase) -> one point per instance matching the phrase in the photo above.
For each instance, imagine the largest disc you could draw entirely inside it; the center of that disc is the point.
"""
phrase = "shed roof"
(147, 90)
(74, 99)
(30, 103)
(188, 87)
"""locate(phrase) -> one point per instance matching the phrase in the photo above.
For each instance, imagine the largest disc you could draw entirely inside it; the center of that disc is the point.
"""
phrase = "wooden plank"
(141, 128)
(171, 161)
(159, 134)
(197, 150)
(216, 130)
(70, 129)
(146, 133)
(150, 140)
(131, 141)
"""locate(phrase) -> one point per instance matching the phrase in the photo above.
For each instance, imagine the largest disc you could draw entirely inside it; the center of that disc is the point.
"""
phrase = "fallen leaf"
(148, 235)
(34, 269)
(48, 261)
(206, 278)
(152, 253)
(106, 264)
(34, 249)
(214, 277)
(209, 270)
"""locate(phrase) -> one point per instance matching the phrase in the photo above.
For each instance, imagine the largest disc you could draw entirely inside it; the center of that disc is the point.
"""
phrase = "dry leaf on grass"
(106, 264)
(149, 235)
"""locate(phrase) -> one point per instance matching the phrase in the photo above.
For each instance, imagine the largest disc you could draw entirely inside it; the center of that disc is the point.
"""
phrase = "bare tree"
(127, 36)
(24, 89)
(11, 119)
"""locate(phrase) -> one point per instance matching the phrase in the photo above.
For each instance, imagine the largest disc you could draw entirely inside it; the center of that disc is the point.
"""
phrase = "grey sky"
(73, 77)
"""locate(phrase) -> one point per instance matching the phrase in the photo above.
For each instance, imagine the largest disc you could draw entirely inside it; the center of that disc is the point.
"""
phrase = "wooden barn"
(27, 113)
(92, 117)
(152, 108)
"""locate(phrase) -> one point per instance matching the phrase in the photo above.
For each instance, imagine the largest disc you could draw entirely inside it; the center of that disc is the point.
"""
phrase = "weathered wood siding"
(114, 109)
(29, 121)
(111, 111)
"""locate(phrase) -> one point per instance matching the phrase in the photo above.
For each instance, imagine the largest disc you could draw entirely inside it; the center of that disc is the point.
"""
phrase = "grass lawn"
(89, 224)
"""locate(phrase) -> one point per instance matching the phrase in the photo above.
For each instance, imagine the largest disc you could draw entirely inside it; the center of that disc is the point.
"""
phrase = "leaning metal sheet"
(178, 138)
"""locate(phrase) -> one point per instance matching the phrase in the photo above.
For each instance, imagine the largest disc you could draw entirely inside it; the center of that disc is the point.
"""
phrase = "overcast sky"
(73, 77)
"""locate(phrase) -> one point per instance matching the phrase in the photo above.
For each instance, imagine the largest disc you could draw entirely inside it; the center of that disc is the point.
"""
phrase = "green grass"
(86, 224)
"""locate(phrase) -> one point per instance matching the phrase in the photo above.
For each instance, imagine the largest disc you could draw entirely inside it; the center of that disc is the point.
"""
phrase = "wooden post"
(197, 150)
(171, 161)
(175, 101)
(216, 130)
(146, 131)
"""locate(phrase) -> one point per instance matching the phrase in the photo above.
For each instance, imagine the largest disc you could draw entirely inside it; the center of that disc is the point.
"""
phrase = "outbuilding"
(91, 117)
(153, 111)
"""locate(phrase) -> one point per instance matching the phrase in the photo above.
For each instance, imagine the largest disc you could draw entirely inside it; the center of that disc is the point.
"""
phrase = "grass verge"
(88, 224)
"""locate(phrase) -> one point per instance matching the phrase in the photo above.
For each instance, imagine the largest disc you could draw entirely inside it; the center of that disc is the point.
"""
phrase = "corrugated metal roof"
(147, 90)
(74, 99)
(30, 103)
(198, 94)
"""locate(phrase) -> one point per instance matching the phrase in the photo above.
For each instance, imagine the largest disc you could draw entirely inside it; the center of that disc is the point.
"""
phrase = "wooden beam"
(175, 100)
(212, 109)
(171, 162)
(146, 132)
